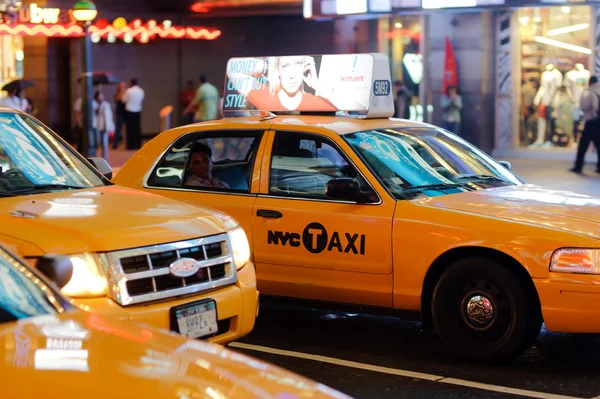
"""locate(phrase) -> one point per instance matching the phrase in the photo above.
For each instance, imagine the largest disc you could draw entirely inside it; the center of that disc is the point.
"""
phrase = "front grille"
(144, 274)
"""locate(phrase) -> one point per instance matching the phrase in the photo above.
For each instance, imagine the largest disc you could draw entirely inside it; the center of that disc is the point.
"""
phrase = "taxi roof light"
(350, 84)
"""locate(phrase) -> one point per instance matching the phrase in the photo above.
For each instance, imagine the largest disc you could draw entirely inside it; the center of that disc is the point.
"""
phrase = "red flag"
(450, 73)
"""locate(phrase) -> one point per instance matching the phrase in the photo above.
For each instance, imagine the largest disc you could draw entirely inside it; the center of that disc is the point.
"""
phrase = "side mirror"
(102, 166)
(59, 269)
(506, 164)
(344, 188)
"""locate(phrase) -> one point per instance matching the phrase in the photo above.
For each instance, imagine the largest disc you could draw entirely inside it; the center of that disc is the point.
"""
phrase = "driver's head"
(201, 161)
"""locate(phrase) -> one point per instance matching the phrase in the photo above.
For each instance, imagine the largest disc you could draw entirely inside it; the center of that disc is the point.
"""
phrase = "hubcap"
(484, 311)
(479, 312)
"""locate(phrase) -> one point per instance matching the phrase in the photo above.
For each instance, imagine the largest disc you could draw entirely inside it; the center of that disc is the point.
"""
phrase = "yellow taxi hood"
(102, 219)
(84, 355)
(559, 210)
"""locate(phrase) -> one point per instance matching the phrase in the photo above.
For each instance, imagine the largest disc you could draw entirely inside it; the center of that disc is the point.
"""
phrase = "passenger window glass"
(171, 168)
(303, 164)
(219, 161)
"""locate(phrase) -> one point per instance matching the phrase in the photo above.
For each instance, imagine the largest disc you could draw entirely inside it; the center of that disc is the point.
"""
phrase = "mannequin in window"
(576, 81)
(562, 113)
(551, 80)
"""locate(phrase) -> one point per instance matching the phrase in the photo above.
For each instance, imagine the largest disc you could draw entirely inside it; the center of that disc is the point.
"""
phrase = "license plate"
(196, 320)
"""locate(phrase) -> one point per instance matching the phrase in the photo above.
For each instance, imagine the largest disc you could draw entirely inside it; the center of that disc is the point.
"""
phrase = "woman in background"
(102, 123)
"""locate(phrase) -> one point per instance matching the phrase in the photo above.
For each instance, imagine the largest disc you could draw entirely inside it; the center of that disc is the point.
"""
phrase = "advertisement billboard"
(354, 83)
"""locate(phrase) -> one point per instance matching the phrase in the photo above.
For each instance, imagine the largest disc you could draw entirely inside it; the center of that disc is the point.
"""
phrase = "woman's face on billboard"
(291, 73)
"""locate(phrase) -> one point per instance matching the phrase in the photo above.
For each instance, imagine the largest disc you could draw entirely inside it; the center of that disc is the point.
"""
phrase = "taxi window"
(22, 295)
(302, 165)
(34, 160)
(221, 161)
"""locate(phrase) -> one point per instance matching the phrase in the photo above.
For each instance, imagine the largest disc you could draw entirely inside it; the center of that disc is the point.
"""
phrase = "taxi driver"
(200, 166)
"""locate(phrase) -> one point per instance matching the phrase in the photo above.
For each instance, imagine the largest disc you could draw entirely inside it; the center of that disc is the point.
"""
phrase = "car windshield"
(22, 294)
(33, 160)
(412, 161)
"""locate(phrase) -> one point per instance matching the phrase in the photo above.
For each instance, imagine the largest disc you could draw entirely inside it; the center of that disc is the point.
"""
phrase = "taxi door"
(309, 246)
(234, 155)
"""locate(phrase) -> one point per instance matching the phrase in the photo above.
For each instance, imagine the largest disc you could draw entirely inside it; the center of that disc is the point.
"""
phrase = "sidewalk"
(554, 174)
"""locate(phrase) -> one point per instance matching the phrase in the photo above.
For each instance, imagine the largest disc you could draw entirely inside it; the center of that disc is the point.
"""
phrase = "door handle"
(265, 213)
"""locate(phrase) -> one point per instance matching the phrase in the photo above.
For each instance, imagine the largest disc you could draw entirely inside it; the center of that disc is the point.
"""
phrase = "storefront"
(542, 54)
(43, 44)
(400, 39)
(555, 63)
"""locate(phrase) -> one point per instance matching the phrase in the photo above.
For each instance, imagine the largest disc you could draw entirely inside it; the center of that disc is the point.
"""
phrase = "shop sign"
(35, 14)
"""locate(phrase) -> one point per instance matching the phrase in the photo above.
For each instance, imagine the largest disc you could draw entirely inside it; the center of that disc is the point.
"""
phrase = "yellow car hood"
(102, 219)
(560, 210)
(83, 355)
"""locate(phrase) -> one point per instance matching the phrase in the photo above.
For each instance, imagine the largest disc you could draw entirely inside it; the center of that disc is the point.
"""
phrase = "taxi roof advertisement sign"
(354, 83)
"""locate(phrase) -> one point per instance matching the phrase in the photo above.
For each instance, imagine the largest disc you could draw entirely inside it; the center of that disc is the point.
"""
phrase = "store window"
(555, 56)
(399, 38)
(11, 58)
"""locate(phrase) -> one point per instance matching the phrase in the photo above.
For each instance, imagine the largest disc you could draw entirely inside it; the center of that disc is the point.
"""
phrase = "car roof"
(337, 124)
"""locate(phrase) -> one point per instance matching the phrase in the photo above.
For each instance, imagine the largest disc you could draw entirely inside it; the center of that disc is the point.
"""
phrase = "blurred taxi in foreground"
(135, 255)
(381, 213)
(50, 349)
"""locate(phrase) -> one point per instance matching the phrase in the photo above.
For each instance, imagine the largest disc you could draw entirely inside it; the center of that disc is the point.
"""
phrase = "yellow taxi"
(353, 207)
(135, 255)
(49, 348)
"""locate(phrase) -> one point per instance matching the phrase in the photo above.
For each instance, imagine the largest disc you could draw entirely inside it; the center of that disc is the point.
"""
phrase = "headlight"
(88, 280)
(239, 246)
(576, 260)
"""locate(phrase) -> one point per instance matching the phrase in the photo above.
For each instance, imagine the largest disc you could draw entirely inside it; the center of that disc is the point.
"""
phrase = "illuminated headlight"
(239, 246)
(576, 260)
(88, 280)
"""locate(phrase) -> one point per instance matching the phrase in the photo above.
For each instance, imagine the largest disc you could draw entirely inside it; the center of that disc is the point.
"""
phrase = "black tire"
(500, 332)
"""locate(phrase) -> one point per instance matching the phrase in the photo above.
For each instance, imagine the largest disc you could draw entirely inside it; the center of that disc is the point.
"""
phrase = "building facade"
(521, 65)
(184, 45)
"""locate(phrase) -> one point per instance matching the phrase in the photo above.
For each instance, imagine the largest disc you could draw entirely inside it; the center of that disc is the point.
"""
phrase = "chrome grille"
(143, 274)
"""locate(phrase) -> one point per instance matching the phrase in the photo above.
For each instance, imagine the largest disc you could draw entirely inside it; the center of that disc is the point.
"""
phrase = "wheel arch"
(445, 260)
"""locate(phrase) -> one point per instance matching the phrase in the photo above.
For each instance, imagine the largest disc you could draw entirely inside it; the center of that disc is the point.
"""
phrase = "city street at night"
(299, 199)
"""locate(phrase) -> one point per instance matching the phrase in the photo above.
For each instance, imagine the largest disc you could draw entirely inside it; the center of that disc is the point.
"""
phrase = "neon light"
(567, 29)
(110, 32)
(566, 46)
(172, 32)
(42, 30)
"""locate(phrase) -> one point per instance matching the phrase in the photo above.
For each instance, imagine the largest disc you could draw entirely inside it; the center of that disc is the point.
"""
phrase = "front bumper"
(237, 308)
(570, 302)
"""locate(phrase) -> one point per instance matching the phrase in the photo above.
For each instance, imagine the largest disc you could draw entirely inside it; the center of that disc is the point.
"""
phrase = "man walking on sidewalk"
(133, 99)
(590, 105)
(207, 100)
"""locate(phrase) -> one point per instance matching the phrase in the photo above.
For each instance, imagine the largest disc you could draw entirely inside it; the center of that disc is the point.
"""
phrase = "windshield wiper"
(441, 186)
(46, 187)
(482, 177)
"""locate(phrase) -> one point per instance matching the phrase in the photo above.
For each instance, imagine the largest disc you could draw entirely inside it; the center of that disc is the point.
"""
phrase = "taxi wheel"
(482, 311)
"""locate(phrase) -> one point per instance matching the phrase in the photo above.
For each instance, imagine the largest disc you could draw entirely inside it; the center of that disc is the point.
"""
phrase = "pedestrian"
(207, 100)
(186, 97)
(590, 105)
(451, 106)
(15, 100)
(120, 114)
(133, 99)
(403, 100)
(102, 123)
